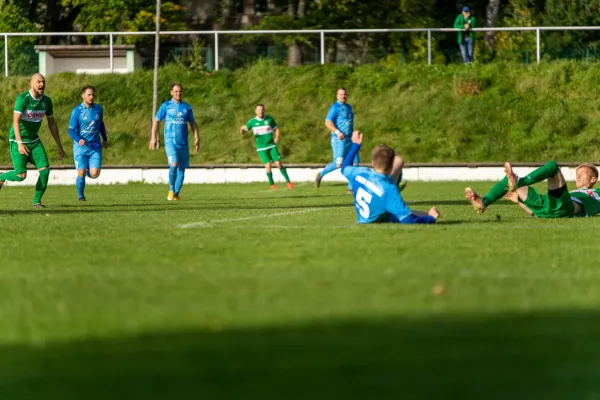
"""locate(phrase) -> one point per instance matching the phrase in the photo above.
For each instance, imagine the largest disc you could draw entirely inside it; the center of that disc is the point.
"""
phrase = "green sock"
(285, 175)
(540, 174)
(11, 176)
(41, 185)
(270, 176)
(496, 192)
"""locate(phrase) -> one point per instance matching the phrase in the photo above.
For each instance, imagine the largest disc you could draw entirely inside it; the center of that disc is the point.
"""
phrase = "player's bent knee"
(94, 174)
(174, 164)
(21, 177)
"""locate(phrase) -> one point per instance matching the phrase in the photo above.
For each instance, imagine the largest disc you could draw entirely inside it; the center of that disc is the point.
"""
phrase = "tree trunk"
(492, 10)
(297, 9)
(249, 13)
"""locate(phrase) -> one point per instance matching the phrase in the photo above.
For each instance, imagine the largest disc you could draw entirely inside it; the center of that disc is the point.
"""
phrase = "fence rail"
(320, 32)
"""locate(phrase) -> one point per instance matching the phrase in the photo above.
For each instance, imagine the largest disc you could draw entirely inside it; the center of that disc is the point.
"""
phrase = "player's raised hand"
(434, 212)
(357, 137)
(512, 196)
(23, 149)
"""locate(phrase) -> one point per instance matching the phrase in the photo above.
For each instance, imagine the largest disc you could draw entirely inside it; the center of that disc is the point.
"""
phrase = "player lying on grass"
(375, 190)
(264, 126)
(557, 203)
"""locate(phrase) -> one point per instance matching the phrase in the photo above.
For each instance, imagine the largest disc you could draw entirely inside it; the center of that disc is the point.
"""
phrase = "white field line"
(225, 220)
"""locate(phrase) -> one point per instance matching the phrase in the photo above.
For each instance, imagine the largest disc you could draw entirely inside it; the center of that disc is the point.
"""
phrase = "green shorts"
(37, 156)
(557, 204)
(271, 154)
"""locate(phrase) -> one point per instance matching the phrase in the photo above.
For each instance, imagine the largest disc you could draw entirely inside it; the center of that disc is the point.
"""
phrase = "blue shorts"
(178, 154)
(86, 158)
(341, 148)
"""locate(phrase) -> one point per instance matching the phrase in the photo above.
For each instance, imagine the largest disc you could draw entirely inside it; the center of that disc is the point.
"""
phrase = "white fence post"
(537, 44)
(112, 58)
(322, 48)
(216, 51)
(5, 55)
(428, 47)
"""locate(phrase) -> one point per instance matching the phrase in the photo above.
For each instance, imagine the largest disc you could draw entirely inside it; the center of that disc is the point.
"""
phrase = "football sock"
(11, 176)
(270, 176)
(328, 168)
(540, 174)
(284, 173)
(179, 180)
(496, 192)
(172, 177)
(41, 185)
(80, 184)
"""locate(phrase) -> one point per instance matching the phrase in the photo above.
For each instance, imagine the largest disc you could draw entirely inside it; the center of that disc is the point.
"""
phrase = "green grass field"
(114, 299)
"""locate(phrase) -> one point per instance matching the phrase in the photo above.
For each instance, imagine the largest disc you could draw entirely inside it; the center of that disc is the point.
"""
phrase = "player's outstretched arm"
(196, 136)
(154, 137)
(56, 136)
(17, 129)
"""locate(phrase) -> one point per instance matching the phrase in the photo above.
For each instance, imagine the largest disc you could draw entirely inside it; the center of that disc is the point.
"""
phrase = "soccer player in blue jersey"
(177, 114)
(340, 122)
(376, 193)
(85, 128)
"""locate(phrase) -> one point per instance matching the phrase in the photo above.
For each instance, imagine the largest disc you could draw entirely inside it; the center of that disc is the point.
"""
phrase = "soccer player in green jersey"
(25, 144)
(264, 126)
(557, 203)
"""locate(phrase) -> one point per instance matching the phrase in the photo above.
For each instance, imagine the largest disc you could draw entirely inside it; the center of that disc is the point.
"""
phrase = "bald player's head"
(37, 84)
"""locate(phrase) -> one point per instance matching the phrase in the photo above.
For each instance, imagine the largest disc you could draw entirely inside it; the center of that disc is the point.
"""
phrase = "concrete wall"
(248, 175)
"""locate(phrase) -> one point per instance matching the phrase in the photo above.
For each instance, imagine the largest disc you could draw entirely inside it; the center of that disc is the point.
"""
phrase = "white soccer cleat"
(475, 200)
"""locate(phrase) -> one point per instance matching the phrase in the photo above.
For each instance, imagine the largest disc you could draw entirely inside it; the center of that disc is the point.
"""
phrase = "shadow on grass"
(92, 209)
(542, 355)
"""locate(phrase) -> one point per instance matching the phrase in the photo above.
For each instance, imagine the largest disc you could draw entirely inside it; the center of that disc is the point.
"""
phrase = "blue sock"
(179, 180)
(172, 177)
(80, 184)
(328, 168)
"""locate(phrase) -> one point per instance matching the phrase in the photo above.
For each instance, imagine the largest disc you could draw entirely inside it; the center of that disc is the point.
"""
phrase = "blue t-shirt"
(176, 116)
(87, 123)
(342, 117)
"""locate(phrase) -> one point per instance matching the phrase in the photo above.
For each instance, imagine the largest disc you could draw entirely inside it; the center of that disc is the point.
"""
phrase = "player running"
(376, 193)
(340, 122)
(263, 126)
(85, 128)
(557, 203)
(177, 114)
(25, 144)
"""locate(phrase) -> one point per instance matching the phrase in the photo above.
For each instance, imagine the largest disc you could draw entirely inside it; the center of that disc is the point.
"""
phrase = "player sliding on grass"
(376, 193)
(85, 128)
(25, 144)
(263, 126)
(557, 203)
(177, 114)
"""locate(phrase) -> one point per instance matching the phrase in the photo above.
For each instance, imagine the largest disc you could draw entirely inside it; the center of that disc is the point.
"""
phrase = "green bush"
(493, 112)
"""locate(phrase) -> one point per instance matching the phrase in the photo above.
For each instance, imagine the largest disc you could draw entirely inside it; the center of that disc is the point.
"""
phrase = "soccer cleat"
(39, 205)
(475, 200)
(82, 199)
(176, 198)
(402, 185)
(273, 187)
(512, 178)
(171, 196)
(318, 180)
(290, 185)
